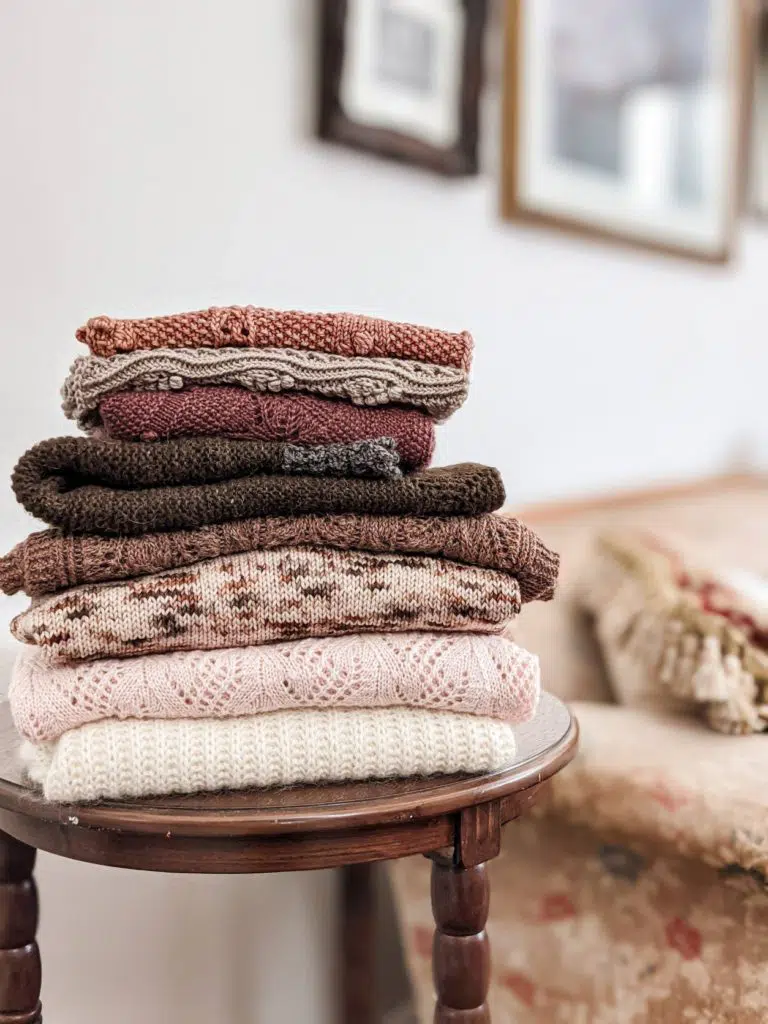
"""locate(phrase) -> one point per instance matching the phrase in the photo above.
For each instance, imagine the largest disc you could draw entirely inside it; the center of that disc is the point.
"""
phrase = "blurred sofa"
(638, 892)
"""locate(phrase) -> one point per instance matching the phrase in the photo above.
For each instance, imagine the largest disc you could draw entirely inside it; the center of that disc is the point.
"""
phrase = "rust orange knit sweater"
(346, 334)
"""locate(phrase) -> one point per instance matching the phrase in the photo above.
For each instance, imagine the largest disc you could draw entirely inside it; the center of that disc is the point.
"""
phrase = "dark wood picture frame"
(513, 209)
(334, 125)
(752, 205)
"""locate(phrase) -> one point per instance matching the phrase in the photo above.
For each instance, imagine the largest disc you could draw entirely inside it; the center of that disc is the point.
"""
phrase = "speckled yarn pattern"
(262, 596)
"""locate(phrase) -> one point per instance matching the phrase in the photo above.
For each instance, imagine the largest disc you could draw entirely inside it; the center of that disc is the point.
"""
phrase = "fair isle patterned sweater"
(262, 596)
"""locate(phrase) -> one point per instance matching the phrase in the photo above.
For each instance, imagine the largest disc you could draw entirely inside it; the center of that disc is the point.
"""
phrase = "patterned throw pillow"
(675, 633)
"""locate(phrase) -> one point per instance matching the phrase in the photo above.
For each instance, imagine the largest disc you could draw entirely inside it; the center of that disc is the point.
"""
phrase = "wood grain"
(358, 945)
(461, 962)
(20, 970)
(288, 829)
(292, 829)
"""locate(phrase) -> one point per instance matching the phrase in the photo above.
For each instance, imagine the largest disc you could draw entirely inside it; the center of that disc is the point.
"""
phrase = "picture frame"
(650, 154)
(757, 171)
(402, 79)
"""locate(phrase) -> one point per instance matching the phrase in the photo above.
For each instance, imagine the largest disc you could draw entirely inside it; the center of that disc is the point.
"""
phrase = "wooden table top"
(191, 833)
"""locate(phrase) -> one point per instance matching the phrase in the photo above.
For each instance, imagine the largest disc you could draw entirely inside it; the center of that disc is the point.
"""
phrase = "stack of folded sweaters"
(251, 577)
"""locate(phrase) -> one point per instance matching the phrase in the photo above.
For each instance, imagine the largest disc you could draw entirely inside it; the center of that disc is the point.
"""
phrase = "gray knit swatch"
(369, 458)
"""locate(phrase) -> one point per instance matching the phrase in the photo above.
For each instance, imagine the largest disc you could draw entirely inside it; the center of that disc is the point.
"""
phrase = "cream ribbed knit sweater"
(115, 760)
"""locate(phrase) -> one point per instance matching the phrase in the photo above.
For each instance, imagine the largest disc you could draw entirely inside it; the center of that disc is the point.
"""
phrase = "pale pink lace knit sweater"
(481, 675)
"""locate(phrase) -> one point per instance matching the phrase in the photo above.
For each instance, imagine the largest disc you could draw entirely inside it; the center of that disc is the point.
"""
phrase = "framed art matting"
(623, 119)
(402, 79)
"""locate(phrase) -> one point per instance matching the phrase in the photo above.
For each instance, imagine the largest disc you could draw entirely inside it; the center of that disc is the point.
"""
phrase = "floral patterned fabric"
(639, 896)
(670, 783)
(585, 930)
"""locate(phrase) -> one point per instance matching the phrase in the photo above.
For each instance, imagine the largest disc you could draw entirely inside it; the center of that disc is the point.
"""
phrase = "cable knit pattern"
(261, 596)
(345, 334)
(469, 673)
(122, 760)
(116, 487)
(236, 413)
(437, 390)
(48, 561)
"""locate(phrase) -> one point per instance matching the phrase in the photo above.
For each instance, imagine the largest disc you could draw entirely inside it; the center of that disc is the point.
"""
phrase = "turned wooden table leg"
(358, 944)
(461, 962)
(20, 973)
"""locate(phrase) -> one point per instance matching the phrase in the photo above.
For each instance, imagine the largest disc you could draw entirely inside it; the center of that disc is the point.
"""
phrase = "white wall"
(155, 155)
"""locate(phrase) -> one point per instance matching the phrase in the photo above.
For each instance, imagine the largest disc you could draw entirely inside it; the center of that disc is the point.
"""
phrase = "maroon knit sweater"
(237, 413)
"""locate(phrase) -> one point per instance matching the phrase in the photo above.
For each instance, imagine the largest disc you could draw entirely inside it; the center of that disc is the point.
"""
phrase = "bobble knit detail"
(345, 334)
(237, 413)
(437, 390)
(121, 760)
(47, 562)
(468, 673)
(261, 596)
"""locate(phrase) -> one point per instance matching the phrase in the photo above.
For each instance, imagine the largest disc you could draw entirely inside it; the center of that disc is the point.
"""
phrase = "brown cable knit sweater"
(49, 561)
(126, 488)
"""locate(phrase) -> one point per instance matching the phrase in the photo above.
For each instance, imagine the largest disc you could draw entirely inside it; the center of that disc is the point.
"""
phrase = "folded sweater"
(469, 673)
(49, 561)
(237, 413)
(345, 334)
(260, 596)
(437, 390)
(127, 488)
(123, 760)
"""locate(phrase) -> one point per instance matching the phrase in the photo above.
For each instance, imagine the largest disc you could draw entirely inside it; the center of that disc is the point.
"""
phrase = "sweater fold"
(127, 488)
(112, 760)
(346, 334)
(437, 390)
(467, 673)
(236, 413)
(262, 596)
(50, 561)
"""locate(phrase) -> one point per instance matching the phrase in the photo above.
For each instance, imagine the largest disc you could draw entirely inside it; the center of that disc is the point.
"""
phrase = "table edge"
(132, 819)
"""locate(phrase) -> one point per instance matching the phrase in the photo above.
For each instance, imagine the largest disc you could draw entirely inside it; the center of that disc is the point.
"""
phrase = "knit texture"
(261, 596)
(437, 390)
(121, 487)
(48, 561)
(121, 760)
(234, 412)
(345, 334)
(469, 673)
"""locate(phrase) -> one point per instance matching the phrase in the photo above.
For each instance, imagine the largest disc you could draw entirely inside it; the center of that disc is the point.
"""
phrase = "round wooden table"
(455, 820)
